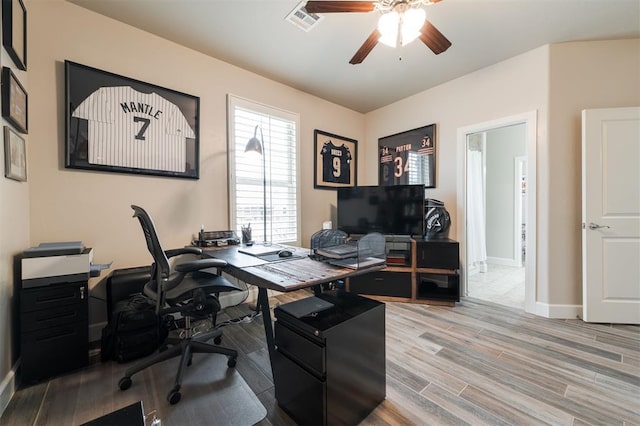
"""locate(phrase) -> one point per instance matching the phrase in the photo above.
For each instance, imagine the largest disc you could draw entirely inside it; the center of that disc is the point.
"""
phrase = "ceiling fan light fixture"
(401, 25)
(388, 25)
(400, 22)
(412, 21)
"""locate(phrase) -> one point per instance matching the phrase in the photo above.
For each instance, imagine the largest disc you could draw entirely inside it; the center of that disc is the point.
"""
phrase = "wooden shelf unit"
(431, 276)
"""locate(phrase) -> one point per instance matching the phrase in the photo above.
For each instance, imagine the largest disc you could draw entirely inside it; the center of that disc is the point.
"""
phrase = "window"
(278, 131)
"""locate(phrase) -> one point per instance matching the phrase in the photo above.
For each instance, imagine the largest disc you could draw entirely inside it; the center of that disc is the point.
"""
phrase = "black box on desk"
(437, 254)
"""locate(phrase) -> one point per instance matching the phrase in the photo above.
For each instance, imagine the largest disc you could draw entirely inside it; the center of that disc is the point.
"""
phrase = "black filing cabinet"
(329, 367)
(54, 330)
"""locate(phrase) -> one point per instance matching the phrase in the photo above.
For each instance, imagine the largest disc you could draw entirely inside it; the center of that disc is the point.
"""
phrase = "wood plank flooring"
(477, 363)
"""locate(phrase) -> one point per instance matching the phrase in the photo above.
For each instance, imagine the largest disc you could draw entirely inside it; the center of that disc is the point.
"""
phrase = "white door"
(611, 215)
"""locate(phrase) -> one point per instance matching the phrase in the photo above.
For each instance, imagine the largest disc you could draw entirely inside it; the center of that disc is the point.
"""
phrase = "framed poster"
(408, 158)
(14, 31)
(335, 164)
(14, 101)
(15, 155)
(118, 124)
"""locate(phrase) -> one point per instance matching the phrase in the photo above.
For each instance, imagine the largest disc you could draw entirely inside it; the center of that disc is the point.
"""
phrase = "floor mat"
(212, 394)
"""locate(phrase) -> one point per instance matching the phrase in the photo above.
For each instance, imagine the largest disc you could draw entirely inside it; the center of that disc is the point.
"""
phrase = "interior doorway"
(496, 209)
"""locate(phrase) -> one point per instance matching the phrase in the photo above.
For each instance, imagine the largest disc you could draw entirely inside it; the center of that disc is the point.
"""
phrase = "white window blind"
(278, 131)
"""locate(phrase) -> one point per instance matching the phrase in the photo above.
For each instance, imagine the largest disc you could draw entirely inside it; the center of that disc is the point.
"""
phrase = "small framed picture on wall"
(335, 164)
(15, 155)
(14, 101)
(14, 31)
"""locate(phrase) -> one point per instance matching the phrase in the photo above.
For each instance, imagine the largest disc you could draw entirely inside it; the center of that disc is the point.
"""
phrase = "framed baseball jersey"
(335, 162)
(408, 158)
(118, 124)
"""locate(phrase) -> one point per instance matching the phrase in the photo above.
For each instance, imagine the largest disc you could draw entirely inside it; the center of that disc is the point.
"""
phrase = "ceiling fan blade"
(339, 6)
(366, 47)
(433, 38)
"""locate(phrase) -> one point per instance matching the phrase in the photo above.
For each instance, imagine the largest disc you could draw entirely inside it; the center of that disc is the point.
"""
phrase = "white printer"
(51, 263)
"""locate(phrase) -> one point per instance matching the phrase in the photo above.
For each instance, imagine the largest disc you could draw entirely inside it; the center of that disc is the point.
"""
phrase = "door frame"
(530, 120)
(519, 164)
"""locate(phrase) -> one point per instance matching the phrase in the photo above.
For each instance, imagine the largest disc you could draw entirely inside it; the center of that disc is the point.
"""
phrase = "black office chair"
(187, 290)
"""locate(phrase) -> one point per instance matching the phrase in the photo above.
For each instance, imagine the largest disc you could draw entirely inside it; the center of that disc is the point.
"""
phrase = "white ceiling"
(253, 34)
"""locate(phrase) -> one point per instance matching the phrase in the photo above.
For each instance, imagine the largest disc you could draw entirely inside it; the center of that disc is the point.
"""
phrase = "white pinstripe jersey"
(128, 128)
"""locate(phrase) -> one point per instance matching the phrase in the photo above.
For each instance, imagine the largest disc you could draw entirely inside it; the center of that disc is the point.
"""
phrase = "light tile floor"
(500, 284)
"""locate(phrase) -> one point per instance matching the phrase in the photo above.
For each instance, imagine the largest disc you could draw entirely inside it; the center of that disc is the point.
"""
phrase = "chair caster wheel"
(217, 340)
(124, 383)
(174, 397)
(231, 362)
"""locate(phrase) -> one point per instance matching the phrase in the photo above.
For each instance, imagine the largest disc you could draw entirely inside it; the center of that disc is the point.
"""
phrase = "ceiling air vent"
(303, 19)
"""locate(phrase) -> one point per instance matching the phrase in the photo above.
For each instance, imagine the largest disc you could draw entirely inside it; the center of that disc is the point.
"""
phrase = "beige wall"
(602, 74)
(94, 207)
(558, 81)
(14, 237)
(510, 87)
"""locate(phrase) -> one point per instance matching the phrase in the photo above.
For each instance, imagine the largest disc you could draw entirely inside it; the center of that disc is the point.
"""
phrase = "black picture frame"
(408, 158)
(15, 101)
(15, 155)
(119, 124)
(14, 31)
(335, 162)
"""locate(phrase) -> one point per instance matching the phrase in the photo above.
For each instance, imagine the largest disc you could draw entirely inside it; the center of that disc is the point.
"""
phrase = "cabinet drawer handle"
(56, 336)
(58, 316)
(50, 299)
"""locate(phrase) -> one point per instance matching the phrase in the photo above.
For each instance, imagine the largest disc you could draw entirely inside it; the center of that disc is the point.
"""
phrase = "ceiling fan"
(401, 22)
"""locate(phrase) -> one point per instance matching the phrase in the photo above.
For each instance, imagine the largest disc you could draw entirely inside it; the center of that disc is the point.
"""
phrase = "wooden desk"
(280, 274)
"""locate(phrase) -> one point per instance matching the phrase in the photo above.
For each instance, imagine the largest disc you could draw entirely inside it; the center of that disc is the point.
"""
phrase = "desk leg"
(263, 302)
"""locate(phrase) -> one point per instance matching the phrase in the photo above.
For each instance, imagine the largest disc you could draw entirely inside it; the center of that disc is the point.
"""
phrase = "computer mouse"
(285, 253)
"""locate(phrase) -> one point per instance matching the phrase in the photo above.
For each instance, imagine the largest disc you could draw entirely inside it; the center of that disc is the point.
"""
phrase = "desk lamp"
(257, 145)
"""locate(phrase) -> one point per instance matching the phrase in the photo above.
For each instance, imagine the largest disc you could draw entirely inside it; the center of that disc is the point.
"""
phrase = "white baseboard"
(8, 388)
(503, 261)
(558, 311)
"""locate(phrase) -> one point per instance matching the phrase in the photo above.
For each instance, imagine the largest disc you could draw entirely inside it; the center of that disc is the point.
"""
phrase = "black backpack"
(134, 330)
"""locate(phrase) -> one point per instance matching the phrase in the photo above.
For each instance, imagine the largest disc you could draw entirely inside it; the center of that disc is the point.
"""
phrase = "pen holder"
(246, 235)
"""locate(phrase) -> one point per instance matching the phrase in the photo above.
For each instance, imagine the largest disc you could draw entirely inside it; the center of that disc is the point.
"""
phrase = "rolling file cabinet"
(54, 329)
(329, 367)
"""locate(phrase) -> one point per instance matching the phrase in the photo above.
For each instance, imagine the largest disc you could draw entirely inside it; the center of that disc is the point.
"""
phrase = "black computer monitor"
(390, 210)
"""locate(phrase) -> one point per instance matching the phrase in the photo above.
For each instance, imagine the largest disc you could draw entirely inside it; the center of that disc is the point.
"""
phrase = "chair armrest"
(183, 250)
(199, 264)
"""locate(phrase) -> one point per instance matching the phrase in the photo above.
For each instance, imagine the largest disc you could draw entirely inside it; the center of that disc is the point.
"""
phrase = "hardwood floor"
(475, 363)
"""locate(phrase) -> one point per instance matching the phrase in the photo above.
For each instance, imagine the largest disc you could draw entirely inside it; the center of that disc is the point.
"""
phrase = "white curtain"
(476, 238)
